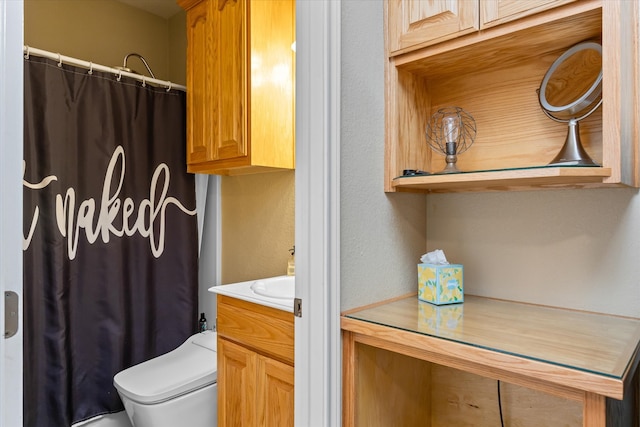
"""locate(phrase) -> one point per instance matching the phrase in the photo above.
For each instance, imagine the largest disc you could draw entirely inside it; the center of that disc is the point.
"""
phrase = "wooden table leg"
(348, 379)
(595, 410)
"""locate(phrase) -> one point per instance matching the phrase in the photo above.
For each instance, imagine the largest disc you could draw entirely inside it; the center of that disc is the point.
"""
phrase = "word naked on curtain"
(110, 247)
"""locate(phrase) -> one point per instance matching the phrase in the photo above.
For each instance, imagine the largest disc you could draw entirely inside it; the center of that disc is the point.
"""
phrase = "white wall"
(571, 248)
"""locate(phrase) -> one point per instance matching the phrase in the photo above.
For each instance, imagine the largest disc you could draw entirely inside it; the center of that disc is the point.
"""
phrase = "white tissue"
(435, 257)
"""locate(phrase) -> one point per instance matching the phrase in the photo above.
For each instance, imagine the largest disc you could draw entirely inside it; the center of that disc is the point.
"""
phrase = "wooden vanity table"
(410, 363)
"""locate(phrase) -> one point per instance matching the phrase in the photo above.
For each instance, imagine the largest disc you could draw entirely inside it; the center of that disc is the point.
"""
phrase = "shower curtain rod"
(62, 59)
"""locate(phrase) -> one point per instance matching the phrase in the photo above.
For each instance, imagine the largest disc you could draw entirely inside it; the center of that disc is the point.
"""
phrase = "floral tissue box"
(440, 284)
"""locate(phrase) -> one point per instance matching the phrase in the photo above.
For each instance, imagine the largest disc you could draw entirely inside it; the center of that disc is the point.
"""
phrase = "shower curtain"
(110, 248)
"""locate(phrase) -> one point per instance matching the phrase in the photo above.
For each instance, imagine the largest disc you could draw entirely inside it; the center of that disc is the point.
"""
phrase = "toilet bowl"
(178, 388)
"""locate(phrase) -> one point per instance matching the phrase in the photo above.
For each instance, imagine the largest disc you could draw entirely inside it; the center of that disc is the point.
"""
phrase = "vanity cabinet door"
(236, 385)
(255, 364)
(275, 393)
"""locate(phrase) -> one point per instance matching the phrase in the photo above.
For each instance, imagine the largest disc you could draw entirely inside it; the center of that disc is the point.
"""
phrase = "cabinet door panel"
(494, 12)
(198, 103)
(229, 81)
(274, 393)
(236, 384)
(413, 23)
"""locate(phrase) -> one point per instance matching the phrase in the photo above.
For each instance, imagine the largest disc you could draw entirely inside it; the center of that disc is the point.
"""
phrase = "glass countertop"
(596, 343)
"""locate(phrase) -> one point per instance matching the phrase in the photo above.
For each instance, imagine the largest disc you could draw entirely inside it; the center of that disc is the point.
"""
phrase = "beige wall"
(101, 31)
(258, 213)
(178, 48)
(572, 248)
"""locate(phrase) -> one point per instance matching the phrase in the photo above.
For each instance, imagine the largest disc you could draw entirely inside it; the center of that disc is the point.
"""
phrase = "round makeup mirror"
(570, 91)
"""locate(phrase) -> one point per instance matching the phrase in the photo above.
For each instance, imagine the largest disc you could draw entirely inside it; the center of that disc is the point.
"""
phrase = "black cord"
(500, 405)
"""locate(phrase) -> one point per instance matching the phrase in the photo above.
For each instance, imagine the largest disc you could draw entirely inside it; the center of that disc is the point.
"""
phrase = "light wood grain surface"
(493, 74)
(596, 343)
(266, 330)
(502, 180)
(410, 363)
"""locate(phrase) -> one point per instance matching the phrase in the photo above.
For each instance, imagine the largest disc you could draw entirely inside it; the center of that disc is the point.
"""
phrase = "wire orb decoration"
(451, 131)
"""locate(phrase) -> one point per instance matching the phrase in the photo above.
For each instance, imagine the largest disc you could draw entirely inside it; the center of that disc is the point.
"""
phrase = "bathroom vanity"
(411, 363)
(255, 355)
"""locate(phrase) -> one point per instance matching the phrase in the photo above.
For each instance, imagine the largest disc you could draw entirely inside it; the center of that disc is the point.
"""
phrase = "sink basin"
(282, 287)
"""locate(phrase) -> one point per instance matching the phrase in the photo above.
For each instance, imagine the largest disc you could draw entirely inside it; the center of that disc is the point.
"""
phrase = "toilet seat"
(189, 367)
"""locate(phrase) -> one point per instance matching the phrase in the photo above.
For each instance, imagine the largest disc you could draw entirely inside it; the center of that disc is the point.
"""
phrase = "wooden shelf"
(503, 180)
(494, 74)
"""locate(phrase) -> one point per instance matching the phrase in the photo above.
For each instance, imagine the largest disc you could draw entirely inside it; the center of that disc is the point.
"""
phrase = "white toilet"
(178, 388)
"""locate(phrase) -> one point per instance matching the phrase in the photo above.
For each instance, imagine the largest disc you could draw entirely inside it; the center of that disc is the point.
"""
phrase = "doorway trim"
(317, 214)
(11, 111)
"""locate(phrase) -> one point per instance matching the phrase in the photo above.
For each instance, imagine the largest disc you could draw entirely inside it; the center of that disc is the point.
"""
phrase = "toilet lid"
(191, 366)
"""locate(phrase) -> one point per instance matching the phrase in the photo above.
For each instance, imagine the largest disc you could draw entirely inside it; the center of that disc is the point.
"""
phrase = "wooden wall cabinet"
(418, 23)
(493, 73)
(240, 86)
(495, 12)
(255, 364)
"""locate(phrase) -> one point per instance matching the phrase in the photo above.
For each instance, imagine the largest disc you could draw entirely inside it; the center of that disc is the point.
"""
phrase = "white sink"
(281, 287)
(276, 292)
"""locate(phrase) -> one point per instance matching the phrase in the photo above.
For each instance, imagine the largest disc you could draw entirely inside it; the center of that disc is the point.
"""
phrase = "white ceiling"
(163, 8)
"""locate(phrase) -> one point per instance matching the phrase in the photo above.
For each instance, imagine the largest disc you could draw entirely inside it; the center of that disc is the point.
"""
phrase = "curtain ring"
(144, 83)
(169, 87)
(26, 55)
(90, 68)
(119, 75)
(59, 60)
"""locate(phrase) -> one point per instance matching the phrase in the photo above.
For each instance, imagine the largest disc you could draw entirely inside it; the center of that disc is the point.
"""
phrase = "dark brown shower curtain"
(110, 252)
